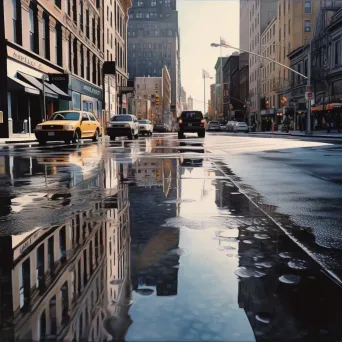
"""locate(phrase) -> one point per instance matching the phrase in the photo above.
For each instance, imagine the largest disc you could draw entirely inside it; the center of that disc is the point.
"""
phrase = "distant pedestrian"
(338, 122)
(328, 122)
(316, 123)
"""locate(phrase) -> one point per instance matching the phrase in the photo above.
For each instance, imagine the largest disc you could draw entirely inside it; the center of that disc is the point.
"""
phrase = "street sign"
(308, 95)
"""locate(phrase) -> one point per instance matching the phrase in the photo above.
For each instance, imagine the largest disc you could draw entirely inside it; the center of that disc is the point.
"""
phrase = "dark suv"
(191, 121)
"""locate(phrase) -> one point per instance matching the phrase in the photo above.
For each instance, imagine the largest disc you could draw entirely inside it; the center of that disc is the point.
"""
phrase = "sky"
(202, 22)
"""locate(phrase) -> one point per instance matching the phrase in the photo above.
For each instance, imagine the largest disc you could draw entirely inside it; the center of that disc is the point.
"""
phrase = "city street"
(233, 237)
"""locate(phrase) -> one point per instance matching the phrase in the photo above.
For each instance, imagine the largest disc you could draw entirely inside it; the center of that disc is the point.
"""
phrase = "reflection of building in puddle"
(157, 264)
(56, 284)
(154, 172)
(117, 320)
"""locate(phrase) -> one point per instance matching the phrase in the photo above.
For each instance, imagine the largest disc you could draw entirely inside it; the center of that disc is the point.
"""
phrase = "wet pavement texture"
(152, 240)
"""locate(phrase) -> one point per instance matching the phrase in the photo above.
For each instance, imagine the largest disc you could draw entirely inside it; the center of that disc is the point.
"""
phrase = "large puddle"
(148, 241)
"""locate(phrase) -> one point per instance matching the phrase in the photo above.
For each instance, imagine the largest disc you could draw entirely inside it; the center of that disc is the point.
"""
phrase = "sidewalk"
(19, 138)
(316, 134)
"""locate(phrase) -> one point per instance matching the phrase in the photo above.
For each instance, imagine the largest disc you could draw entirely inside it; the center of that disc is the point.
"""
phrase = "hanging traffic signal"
(157, 100)
(283, 101)
(267, 104)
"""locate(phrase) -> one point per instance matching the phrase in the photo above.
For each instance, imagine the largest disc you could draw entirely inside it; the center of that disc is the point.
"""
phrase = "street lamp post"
(308, 78)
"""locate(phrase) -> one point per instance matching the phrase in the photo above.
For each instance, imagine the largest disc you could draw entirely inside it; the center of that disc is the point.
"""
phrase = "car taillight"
(180, 121)
(203, 122)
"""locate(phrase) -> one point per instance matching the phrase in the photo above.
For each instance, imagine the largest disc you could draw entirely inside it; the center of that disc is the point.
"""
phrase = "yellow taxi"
(69, 126)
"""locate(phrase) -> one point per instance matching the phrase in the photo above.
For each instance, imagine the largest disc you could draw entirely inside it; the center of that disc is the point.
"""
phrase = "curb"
(297, 135)
(19, 141)
(331, 274)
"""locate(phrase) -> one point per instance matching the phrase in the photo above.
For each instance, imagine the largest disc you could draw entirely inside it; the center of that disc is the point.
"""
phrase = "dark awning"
(14, 84)
(61, 94)
(38, 84)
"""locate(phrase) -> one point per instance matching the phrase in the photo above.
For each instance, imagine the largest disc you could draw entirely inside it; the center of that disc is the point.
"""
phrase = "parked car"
(229, 126)
(145, 127)
(213, 126)
(191, 122)
(241, 127)
(67, 126)
(123, 125)
(161, 128)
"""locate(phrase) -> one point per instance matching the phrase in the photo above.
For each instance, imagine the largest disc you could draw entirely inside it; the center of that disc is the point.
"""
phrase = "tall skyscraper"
(244, 29)
(153, 41)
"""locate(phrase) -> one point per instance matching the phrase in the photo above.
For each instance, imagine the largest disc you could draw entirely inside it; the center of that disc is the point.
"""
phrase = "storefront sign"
(29, 61)
(60, 80)
(85, 88)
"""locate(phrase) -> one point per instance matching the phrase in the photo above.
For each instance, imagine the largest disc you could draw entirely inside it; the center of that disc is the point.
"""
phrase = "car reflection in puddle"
(190, 154)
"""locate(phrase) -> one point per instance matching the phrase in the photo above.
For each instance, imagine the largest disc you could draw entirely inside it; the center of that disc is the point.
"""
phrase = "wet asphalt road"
(227, 238)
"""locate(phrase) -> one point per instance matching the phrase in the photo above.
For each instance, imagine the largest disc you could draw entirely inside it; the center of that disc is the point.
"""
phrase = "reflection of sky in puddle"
(202, 193)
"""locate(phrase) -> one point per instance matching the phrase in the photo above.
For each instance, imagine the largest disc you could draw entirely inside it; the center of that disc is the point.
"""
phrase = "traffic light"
(283, 101)
(267, 104)
(157, 100)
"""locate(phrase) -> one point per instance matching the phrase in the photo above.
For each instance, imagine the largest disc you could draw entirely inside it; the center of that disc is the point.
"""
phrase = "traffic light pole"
(308, 113)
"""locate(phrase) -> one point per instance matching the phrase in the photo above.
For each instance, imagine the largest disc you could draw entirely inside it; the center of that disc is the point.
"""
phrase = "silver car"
(123, 125)
(213, 126)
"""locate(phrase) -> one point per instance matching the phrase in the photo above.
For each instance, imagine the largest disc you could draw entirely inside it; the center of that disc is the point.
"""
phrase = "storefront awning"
(61, 94)
(14, 84)
(38, 84)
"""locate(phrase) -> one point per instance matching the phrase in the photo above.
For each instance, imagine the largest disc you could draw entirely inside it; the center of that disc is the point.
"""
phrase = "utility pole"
(3, 76)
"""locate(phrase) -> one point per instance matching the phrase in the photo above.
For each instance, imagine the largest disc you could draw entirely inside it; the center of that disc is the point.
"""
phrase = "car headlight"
(39, 128)
(109, 125)
(127, 126)
(68, 127)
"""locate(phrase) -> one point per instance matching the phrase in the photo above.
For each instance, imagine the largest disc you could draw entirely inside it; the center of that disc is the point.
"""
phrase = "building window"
(74, 11)
(306, 67)
(81, 14)
(284, 30)
(94, 70)
(43, 53)
(87, 24)
(31, 28)
(307, 26)
(289, 26)
(107, 36)
(337, 53)
(75, 56)
(111, 19)
(94, 29)
(140, 3)
(14, 20)
(82, 62)
(98, 35)
(68, 7)
(307, 6)
(153, 3)
(88, 66)
(58, 44)
(69, 53)
(58, 3)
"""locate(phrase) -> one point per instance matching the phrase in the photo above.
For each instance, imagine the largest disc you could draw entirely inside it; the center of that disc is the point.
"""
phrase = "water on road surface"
(150, 240)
